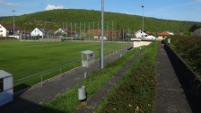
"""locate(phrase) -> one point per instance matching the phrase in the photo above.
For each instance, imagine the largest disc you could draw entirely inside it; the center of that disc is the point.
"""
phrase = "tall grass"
(68, 102)
(136, 92)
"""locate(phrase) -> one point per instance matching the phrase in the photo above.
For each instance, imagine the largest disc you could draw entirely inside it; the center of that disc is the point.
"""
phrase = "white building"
(144, 36)
(140, 34)
(60, 31)
(6, 30)
(164, 35)
(3, 31)
(37, 32)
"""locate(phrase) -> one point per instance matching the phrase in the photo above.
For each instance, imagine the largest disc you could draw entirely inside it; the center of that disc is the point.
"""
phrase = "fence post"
(41, 78)
(85, 74)
(60, 70)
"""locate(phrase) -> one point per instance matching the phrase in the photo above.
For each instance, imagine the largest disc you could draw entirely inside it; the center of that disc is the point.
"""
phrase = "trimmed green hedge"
(189, 48)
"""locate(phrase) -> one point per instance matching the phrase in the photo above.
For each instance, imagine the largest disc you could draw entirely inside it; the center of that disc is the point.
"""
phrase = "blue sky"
(189, 10)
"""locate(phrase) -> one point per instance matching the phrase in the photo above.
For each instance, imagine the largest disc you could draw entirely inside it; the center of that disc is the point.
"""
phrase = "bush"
(189, 48)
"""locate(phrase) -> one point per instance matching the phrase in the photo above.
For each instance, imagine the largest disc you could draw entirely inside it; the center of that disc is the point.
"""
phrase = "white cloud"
(3, 2)
(51, 7)
(199, 0)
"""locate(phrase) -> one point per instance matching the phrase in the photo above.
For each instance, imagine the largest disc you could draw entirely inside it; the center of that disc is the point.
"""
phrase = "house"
(107, 33)
(70, 32)
(94, 32)
(60, 31)
(143, 35)
(65, 31)
(3, 31)
(26, 32)
(6, 30)
(140, 34)
(197, 32)
(164, 34)
(37, 33)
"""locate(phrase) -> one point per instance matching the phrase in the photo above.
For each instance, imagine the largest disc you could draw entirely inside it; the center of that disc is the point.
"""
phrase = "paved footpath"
(34, 97)
(170, 97)
(93, 101)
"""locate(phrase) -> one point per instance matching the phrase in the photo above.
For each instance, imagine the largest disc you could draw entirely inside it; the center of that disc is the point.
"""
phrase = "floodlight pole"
(13, 22)
(102, 34)
(143, 18)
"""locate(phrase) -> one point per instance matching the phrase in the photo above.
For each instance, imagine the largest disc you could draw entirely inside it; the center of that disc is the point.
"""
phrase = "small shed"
(88, 57)
(6, 87)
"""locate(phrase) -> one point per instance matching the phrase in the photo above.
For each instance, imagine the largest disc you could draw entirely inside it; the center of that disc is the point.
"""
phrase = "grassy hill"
(55, 19)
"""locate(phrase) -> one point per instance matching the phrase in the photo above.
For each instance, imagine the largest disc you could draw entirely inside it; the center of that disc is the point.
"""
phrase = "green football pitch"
(27, 58)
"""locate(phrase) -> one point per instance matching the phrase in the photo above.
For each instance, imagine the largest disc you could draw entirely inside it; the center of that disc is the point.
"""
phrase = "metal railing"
(42, 77)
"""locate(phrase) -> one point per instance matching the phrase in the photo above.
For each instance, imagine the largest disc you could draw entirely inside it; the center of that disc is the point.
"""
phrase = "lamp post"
(102, 34)
(13, 22)
(143, 17)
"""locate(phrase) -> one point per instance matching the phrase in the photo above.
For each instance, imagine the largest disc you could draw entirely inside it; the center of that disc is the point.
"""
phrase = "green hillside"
(75, 18)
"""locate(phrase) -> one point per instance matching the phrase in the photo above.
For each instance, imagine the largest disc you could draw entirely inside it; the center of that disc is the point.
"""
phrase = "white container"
(6, 87)
(82, 93)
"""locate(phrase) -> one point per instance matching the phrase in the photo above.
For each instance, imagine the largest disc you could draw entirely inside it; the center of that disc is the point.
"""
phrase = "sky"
(184, 10)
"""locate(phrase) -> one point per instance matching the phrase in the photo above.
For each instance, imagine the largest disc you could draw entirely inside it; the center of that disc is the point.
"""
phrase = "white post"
(41, 78)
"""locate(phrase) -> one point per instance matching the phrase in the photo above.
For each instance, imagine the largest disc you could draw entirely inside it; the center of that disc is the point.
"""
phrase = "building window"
(1, 85)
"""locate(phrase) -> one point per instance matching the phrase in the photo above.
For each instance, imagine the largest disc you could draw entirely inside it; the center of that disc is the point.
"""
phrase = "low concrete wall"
(140, 43)
(191, 81)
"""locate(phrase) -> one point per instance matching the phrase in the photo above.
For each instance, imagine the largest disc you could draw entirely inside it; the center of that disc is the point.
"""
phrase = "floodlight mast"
(142, 17)
(102, 34)
(13, 22)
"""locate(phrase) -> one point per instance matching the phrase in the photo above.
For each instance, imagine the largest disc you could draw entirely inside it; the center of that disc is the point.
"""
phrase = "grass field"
(26, 58)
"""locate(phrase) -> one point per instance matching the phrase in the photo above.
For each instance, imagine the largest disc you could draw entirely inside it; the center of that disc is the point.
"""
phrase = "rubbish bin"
(82, 93)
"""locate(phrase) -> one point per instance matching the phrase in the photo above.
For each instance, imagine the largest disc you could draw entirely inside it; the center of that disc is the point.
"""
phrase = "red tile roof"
(10, 27)
(163, 34)
(97, 32)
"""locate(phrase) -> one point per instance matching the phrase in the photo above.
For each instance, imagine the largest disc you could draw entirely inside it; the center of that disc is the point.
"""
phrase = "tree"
(194, 27)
